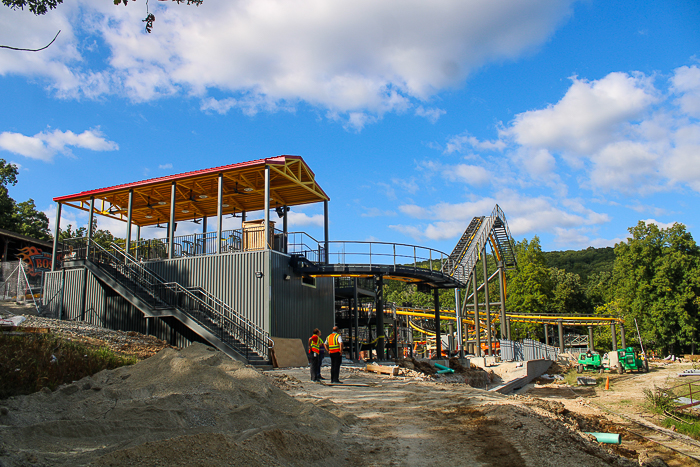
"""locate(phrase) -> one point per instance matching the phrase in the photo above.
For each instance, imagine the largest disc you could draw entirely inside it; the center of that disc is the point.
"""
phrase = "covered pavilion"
(263, 184)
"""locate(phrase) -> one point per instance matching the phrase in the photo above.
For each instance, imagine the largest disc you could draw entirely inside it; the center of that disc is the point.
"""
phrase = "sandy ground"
(597, 408)
(195, 407)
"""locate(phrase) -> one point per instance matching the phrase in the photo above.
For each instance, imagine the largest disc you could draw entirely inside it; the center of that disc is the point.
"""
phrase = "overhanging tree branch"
(32, 50)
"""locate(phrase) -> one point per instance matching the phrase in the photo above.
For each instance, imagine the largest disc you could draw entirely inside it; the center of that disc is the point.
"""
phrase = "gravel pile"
(121, 342)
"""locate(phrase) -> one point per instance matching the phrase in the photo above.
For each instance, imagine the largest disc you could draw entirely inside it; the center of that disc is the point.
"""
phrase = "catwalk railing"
(217, 317)
(527, 349)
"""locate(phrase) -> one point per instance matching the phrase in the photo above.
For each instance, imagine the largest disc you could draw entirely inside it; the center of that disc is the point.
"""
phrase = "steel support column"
(284, 229)
(325, 232)
(357, 319)
(438, 339)
(486, 301)
(451, 338)
(508, 328)
(623, 344)
(204, 235)
(546, 334)
(91, 220)
(379, 306)
(219, 213)
(460, 324)
(171, 223)
(613, 334)
(590, 338)
(129, 216)
(477, 330)
(502, 293)
(56, 230)
(267, 207)
(560, 327)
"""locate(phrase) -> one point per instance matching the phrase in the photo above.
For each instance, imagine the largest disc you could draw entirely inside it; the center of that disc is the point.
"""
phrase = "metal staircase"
(205, 314)
(481, 230)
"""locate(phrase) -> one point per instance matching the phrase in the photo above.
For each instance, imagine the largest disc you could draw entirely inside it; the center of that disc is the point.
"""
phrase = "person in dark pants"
(315, 342)
(334, 346)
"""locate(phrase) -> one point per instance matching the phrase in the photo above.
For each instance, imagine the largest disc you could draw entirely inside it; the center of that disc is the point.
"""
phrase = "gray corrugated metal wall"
(229, 277)
(284, 308)
(106, 308)
(296, 308)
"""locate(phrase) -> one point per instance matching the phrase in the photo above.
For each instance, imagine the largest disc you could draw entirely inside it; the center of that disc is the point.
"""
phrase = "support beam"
(560, 327)
(219, 213)
(267, 206)
(508, 328)
(546, 334)
(460, 327)
(590, 338)
(486, 301)
(284, 229)
(91, 219)
(171, 223)
(438, 339)
(56, 230)
(477, 330)
(129, 215)
(502, 293)
(614, 337)
(204, 235)
(325, 231)
(357, 319)
(379, 306)
(623, 344)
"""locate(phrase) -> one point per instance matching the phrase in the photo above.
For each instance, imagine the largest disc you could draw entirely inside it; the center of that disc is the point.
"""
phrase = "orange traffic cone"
(607, 383)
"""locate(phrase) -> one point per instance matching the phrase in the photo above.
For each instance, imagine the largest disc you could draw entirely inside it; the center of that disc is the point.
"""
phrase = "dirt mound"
(195, 391)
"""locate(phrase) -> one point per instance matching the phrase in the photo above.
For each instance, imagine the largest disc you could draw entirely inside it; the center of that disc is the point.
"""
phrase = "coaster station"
(239, 289)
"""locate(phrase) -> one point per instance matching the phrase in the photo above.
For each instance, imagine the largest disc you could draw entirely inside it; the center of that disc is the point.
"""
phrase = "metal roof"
(292, 183)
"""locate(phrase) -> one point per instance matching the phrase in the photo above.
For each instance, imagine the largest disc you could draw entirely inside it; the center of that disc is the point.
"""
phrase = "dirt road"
(411, 423)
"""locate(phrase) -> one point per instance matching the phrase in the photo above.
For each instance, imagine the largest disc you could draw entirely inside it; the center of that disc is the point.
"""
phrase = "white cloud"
(460, 143)
(352, 57)
(661, 225)
(469, 174)
(303, 219)
(431, 114)
(526, 215)
(45, 145)
(587, 118)
(686, 83)
(165, 166)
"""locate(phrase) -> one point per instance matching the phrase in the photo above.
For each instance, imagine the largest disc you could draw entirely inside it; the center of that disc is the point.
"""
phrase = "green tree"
(22, 218)
(568, 294)
(657, 282)
(31, 222)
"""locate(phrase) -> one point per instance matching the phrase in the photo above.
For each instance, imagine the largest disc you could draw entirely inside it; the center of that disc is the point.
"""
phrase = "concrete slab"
(522, 375)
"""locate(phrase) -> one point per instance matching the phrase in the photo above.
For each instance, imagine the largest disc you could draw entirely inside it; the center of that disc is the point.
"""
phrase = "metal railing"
(208, 311)
(201, 244)
(527, 349)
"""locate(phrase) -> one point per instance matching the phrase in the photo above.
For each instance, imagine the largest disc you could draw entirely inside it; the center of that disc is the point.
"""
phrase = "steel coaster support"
(379, 306)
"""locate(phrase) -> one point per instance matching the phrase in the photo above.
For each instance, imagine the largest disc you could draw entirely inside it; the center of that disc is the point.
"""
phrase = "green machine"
(589, 362)
(629, 360)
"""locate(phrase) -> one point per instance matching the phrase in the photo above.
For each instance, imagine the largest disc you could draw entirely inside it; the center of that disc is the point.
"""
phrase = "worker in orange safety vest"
(315, 342)
(334, 346)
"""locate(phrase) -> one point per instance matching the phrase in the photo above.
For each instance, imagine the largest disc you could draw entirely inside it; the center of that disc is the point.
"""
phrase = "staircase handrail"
(225, 311)
(235, 320)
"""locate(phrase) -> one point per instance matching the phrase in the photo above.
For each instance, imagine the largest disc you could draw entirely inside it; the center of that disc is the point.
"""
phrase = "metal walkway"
(409, 263)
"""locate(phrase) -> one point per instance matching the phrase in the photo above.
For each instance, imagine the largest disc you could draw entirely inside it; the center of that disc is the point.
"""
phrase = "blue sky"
(578, 118)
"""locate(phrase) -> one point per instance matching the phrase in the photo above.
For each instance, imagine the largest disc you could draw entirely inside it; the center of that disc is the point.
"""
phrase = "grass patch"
(689, 426)
(34, 361)
(571, 375)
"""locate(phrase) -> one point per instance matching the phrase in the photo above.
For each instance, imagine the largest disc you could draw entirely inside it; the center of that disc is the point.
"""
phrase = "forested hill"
(582, 262)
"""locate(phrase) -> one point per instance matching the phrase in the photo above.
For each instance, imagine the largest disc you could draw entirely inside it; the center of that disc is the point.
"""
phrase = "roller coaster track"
(481, 230)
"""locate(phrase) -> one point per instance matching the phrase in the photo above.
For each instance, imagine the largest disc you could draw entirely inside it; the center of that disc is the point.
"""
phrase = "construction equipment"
(629, 360)
(589, 361)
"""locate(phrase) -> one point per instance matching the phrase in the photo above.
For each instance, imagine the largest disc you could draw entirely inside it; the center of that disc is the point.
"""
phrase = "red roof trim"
(279, 160)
